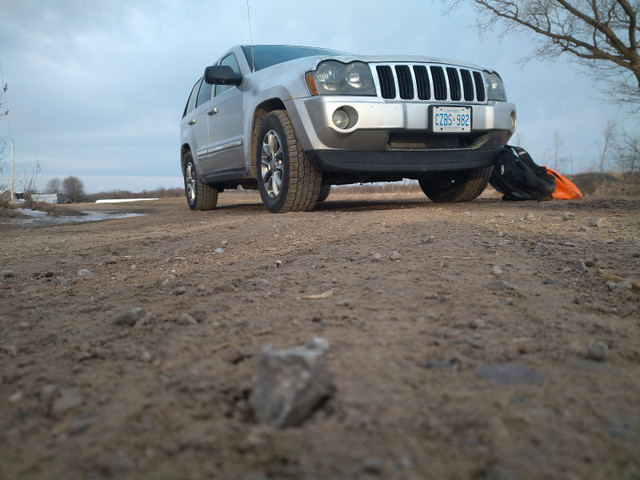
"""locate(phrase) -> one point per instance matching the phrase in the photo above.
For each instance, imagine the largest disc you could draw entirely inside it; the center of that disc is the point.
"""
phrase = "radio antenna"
(253, 57)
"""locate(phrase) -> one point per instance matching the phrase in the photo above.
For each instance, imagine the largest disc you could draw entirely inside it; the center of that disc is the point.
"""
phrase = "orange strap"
(565, 189)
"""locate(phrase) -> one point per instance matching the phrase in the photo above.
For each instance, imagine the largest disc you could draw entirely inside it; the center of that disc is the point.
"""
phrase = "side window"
(192, 99)
(204, 94)
(233, 63)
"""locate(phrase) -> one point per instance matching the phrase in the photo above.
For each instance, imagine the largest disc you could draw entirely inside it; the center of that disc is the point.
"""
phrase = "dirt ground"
(484, 340)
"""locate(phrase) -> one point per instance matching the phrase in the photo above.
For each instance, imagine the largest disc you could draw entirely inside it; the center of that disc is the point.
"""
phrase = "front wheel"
(200, 196)
(462, 186)
(286, 179)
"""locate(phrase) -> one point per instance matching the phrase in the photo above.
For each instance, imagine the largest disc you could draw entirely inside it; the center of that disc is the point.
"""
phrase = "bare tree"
(599, 34)
(628, 152)
(73, 188)
(2, 114)
(54, 186)
(609, 133)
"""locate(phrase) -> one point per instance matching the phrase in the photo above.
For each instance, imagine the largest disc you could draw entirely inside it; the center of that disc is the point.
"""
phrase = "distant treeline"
(159, 192)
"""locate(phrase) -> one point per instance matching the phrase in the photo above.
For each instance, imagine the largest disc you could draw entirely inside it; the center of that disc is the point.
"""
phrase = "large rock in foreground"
(289, 384)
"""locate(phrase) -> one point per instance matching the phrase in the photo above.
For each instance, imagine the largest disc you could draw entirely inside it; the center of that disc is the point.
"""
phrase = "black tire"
(461, 186)
(200, 196)
(286, 179)
(325, 190)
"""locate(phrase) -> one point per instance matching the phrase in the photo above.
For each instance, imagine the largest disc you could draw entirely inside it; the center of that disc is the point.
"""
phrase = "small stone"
(224, 243)
(551, 281)
(566, 244)
(496, 270)
(499, 285)
(597, 351)
(130, 317)
(427, 239)
(145, 356)
(568, 216)
(579, 265)
(621, 285)
(540, 248)
(47, 392)
(16, 397)
(529, 217)
(219, 250)
(372, 466)
(63, 281)
(186, 319)
(7, 274)
(24, 326)
(69, 399)
(180, 259)
(597, 222)
(84, 273)
(477, 323)
(179, 291)
(500, 234)
(395, 256)
(376, 257)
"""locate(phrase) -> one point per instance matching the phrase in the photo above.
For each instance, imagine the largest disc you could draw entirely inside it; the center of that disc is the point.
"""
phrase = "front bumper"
(373, 119)
(396, 136)
(407, 162)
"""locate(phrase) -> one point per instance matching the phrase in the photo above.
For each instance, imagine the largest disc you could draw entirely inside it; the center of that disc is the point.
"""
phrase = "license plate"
(451, 119)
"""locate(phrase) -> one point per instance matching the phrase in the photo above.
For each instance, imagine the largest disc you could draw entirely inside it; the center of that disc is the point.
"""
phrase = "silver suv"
(292, 121)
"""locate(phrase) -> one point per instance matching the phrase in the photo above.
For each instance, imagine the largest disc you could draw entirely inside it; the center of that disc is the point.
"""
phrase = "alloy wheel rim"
(272, 164)
(190, 182)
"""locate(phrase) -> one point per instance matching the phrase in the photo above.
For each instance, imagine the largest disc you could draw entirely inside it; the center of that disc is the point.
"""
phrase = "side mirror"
(221, 75)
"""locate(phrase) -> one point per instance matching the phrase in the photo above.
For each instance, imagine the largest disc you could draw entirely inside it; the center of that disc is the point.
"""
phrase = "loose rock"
(69, 399)
(540, 248)
(597, 351)
(499, 285)
(131, 317)
(395, 256)
(289, 384)
(567, 216)
(579, 265)
(84, 273)
(186, 319)
(496, 270)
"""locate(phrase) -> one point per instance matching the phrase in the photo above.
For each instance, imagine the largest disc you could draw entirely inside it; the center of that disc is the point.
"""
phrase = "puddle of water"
(37, 217)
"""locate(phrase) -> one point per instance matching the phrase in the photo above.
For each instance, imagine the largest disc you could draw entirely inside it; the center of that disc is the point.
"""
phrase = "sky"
(97, 88)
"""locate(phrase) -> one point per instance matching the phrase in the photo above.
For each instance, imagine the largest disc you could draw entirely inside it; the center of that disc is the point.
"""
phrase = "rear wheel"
(200, 196)
(461, 186)
(286, 179)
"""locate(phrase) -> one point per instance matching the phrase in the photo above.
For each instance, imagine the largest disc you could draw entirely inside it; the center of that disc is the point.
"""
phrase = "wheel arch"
(183, 153)
(260, 112)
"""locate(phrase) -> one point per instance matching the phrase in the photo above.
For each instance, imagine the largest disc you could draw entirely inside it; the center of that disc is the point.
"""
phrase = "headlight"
(336, 78)
(495, 87)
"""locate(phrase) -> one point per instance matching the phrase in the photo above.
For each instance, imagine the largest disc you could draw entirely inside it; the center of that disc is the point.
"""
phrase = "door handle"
(192, 121)
(213, 111)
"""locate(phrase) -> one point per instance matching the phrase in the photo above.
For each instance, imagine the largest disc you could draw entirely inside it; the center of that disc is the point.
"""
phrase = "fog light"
(340, 119)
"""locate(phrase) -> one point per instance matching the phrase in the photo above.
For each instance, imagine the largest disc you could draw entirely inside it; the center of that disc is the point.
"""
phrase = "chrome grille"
(430, 82)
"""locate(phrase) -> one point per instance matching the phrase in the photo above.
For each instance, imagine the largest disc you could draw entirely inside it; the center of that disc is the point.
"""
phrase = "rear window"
(263, 56)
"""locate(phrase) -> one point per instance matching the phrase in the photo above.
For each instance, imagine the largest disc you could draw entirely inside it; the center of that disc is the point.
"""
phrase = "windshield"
(267, 55)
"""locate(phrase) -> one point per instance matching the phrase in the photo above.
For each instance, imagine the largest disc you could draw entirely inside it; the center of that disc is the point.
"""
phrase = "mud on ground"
(486, 340)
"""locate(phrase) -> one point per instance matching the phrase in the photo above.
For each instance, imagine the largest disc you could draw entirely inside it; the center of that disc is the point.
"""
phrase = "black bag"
(518, 177)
